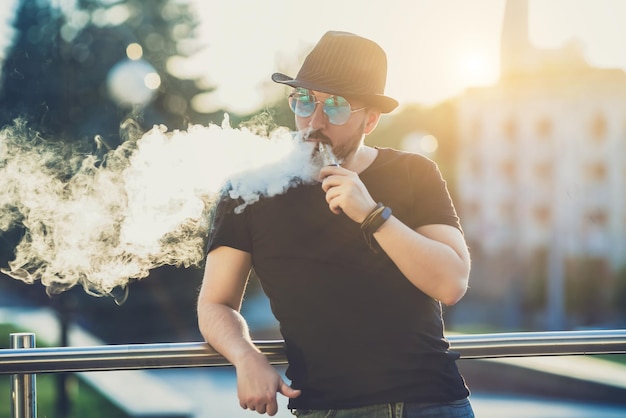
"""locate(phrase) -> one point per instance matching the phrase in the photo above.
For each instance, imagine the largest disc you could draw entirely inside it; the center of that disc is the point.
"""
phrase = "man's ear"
(373, 116)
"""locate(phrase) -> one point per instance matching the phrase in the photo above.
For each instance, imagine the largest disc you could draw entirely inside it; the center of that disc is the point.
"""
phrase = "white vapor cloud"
(102, 222)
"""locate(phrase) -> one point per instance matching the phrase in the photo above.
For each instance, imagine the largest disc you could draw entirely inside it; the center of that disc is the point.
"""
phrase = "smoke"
(100, 222)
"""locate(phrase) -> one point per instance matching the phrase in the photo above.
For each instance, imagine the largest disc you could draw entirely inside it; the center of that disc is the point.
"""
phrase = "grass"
(85, 401)
(616, 358)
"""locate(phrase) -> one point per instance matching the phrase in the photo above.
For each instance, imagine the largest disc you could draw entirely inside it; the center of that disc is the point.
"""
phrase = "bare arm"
(434, 258)
(225, 278)
(223, 327)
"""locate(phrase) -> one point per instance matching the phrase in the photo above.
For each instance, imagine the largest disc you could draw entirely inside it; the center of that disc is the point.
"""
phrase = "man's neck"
(362, 158)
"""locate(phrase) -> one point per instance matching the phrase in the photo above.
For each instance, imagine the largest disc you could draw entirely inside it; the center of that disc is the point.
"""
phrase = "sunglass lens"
(337, 109)
(302, 104)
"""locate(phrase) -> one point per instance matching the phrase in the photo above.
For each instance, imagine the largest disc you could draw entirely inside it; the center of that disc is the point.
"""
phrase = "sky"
(435, 48)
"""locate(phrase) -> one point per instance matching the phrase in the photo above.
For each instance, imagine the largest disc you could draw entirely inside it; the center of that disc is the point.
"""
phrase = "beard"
(349, 144)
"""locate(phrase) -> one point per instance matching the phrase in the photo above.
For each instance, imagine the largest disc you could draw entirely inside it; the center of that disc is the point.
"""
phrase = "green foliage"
(55, 78)
(55, 75)
(616, 358)
(84, 400)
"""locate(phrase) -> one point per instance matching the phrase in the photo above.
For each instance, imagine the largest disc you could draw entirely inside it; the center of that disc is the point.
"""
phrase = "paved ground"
(215, 392)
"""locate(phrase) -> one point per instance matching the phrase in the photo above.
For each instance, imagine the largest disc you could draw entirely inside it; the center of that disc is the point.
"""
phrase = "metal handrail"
(23, 386)
(196, 354)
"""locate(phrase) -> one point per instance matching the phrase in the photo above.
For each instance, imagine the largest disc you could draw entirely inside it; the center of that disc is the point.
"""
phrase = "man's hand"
(257, 385)
(345, 192)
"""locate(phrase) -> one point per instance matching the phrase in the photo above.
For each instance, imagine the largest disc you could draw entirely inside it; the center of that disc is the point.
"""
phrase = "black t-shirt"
(357, 332)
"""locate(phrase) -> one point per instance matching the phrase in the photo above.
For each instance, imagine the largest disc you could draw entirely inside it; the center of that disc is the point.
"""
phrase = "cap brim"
(293, 82)
(281, 78)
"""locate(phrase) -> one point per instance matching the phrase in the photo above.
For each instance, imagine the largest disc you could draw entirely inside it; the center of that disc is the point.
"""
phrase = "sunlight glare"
(475, 69)
(420, 143)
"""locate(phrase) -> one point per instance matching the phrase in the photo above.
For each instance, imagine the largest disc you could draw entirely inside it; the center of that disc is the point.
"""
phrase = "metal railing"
(23, 387)
(23, 361)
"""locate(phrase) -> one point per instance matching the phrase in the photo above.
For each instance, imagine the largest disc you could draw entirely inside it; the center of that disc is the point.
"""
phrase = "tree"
(32, 80)
(59, 73)
(57, 77)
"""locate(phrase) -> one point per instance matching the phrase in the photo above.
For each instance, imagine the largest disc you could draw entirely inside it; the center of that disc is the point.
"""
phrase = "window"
(543, 170)
(509, 129)
(598, 216)
(596, 171)
(598, 128)
(544, 128)
(542, 215)
(509, 169)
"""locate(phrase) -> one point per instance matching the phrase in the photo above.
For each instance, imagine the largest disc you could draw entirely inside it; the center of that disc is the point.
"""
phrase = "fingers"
(334, 198)
(345, 193)
(265, 406)
(335, 207)
(288, 391)
(330, 170)
(271, 410)
(329, 182)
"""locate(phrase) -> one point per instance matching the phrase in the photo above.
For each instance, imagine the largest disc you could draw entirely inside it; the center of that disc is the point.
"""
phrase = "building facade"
(542, 157)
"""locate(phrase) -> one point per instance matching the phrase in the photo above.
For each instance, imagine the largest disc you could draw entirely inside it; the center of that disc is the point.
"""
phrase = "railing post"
(23, 386)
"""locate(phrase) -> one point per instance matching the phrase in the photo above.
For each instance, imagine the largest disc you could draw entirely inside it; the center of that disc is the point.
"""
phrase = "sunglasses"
(338, 110)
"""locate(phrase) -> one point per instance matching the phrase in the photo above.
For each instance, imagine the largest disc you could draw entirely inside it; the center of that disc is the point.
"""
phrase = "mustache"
(317, 135)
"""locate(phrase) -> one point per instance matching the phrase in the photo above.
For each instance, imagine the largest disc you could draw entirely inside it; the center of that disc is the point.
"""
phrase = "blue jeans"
(455, 409)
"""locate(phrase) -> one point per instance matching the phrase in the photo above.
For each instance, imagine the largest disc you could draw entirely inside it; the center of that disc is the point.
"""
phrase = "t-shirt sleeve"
(227, 227)
(432, 199)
